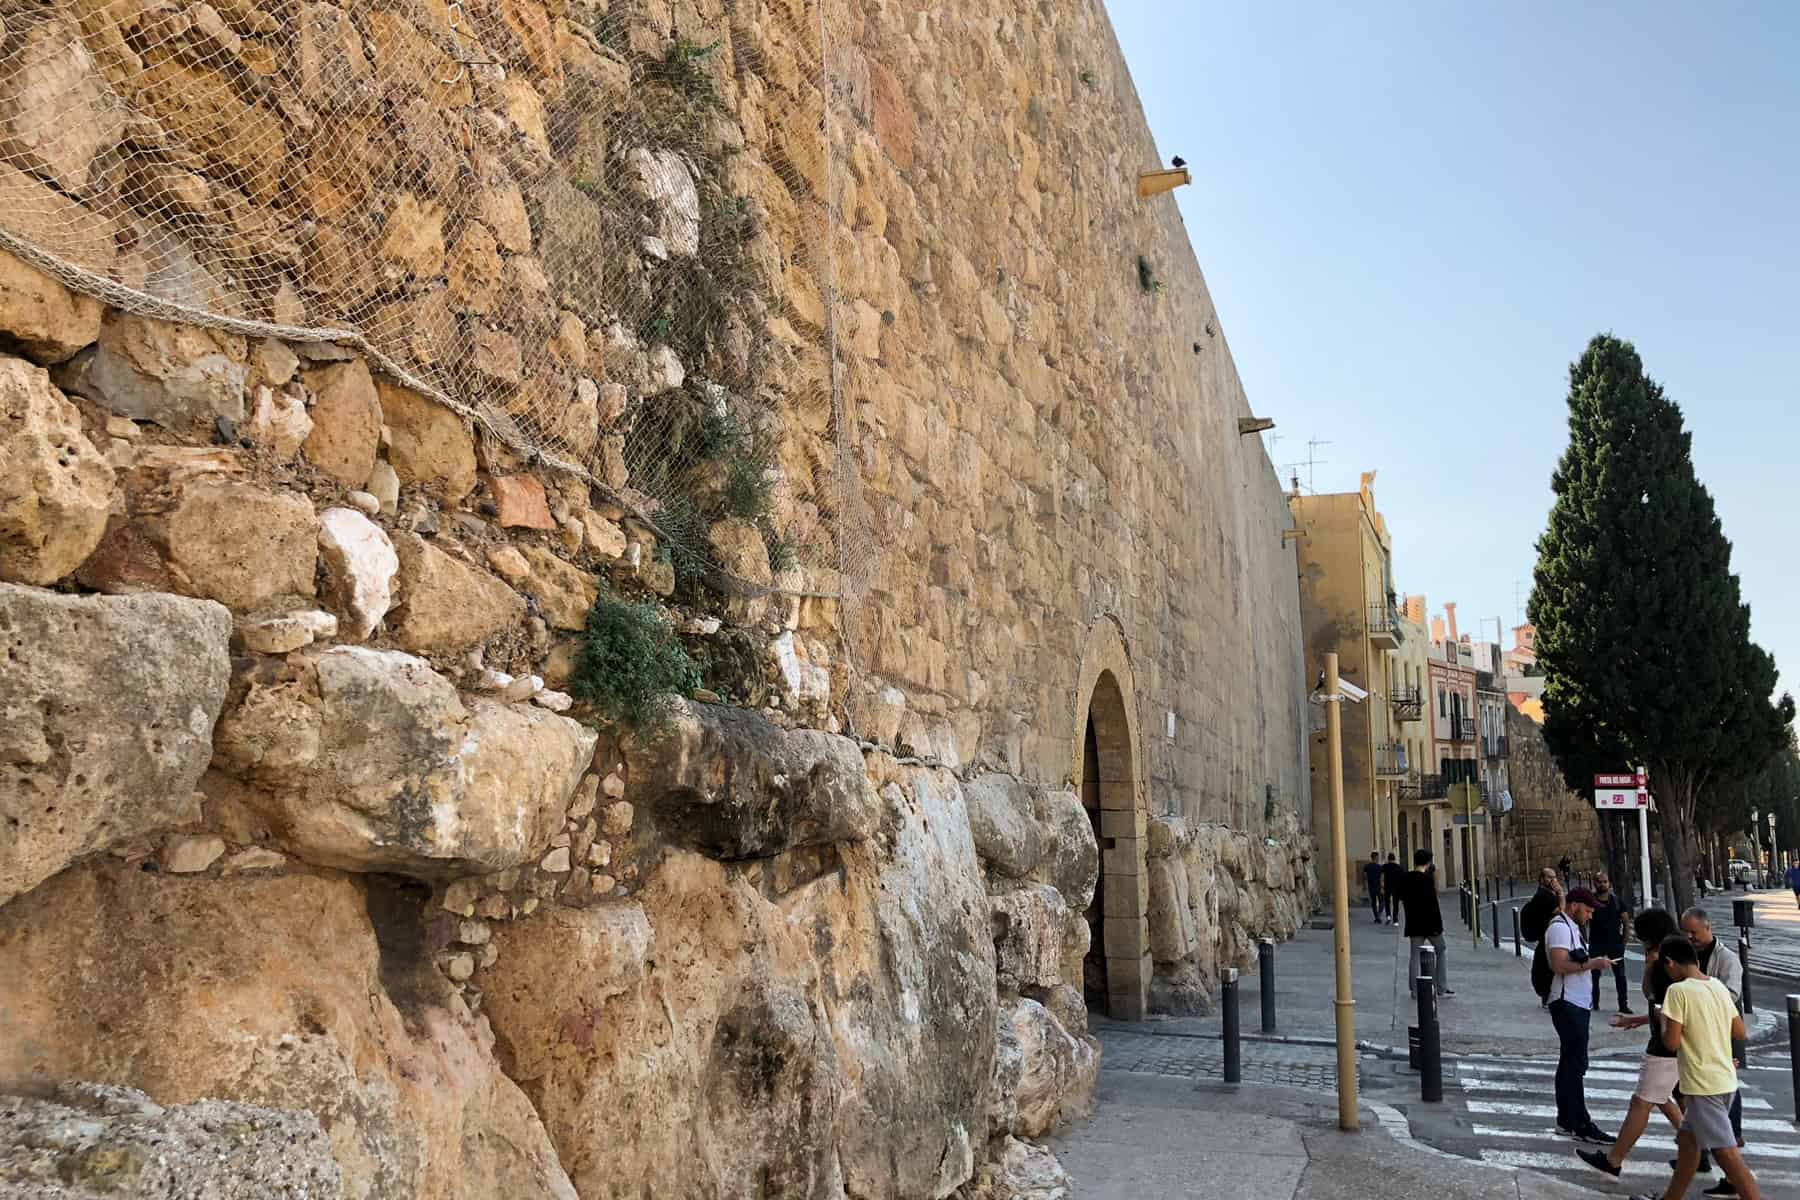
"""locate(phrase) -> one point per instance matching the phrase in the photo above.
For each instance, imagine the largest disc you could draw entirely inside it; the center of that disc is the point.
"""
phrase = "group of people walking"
(1692, 986)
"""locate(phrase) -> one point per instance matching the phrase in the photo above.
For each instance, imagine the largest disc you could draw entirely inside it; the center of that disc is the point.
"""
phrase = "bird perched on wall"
(1178, 162)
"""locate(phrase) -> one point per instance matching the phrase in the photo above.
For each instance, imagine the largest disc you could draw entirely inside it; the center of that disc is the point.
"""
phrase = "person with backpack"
(1657, 1072)
(1393, 882)
(1571, 1004)
(1424, 919)
(1534, 918)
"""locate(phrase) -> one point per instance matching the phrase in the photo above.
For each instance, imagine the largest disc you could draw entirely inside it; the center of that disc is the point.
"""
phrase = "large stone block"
(83, 1139)
(302, 991)
(1071, 861)
(429, 445)
(1004, 826)
(730, 784)
(446, 604)
(346, 417)
(107, 707)
(1029, 927)
(368, 760)
(1043, 1075)
(180, 376)
(40, 317)
(55, 489)
(838, 1041)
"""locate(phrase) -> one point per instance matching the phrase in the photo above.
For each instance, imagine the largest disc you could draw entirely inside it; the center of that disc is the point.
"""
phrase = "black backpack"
(1541, 976)
(1534, 918)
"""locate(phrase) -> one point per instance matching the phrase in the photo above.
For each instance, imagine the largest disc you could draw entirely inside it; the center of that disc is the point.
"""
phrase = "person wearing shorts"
(1699, 1022)
(1659, 1071)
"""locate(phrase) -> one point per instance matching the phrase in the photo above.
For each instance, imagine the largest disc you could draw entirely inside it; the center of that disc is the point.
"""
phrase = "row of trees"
(1642, 633)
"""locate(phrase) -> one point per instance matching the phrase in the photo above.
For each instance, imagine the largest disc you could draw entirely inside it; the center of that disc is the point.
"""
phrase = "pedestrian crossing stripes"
(1607, 1116)
(1505, 1115)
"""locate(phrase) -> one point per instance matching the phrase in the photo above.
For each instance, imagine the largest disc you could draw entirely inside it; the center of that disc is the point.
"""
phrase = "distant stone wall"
(1566, 822)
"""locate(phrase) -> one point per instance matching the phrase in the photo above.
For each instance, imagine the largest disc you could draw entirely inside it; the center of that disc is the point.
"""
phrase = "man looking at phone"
(1571, 1008)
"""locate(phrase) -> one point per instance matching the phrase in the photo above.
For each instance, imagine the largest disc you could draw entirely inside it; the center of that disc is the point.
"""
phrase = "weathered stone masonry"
(300, 815)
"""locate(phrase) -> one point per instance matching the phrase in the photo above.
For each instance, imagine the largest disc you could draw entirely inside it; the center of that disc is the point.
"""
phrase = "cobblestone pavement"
(1192, 1057)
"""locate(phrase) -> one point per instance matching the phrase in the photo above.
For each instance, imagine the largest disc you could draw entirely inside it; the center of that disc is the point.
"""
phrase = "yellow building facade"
(1348, 605)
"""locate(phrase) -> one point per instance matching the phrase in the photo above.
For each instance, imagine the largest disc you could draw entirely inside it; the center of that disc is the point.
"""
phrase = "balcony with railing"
(1462, 729)
(1384, 627)
(1390, 761)
(1433, 787)
(1407, 704)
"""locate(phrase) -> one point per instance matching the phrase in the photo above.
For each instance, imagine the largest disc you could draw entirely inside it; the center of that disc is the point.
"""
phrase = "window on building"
(1443, 702)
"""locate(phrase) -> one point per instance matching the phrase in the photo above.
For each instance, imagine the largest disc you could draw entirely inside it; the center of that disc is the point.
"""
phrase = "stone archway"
(1117, 970)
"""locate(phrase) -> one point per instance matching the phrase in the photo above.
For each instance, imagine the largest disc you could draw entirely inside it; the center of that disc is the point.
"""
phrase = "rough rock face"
(45, 321)
(1213, 892)
(360, 565)
(180, 377)
(765, 1029)
(1006, 833)
(107, 707)
(447, 604)
(368, 760)
(55, 488)
(92, 1141)
(299, 992)
(1043, 1074)
(730, 784)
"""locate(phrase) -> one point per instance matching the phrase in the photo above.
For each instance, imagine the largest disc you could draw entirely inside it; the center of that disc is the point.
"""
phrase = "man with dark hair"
(1700, 1022)
(1606, 936)
(1393, 882)
(1372, 881)
(1571, 1008)
(1657, 1072)
(1424, 919)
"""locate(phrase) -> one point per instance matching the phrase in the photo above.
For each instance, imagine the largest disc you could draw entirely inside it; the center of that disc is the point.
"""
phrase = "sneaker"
(1446, 991)
(1562, 1131)
(1597, 1159)
(1721, 1188)
(1626, 1012)
(1594, 1134)
(1705, 1167)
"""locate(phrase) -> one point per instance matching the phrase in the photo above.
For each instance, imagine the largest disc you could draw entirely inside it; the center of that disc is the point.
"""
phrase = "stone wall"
(305, 813)
(1562, 822)
(1047, 433)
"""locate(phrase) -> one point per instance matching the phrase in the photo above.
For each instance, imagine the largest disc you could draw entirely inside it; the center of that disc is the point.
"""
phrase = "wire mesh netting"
(600, 230)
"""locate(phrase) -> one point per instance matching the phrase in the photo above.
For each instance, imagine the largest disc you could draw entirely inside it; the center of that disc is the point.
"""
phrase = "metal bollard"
(1234, 1067)
(1793, 1007)
(1462, 904)
(1744, 960)
(1265, 954)
(1509, 888)
(1494, 914)
(1518, 941)
(1431, 1063)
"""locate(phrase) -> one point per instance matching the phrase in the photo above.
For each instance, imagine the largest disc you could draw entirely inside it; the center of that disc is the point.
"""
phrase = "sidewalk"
(1493, 1012)
(1170, 1139)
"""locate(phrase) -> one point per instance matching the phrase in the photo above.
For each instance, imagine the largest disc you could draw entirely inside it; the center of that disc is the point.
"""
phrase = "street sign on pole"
(1623, 792)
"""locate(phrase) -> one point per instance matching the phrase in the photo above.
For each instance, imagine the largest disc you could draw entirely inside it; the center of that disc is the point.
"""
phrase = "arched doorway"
(1116, 971)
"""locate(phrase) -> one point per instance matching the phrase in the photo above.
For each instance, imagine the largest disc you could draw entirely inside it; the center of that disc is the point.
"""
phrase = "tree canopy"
(1642, 632)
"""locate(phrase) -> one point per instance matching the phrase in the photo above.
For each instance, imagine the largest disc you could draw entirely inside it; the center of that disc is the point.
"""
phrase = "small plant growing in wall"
(1147, 280)
(1087, 76)
(683, 68)
(631, 663)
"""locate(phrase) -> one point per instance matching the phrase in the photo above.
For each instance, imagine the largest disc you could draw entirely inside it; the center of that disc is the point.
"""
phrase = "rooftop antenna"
(1313, 460)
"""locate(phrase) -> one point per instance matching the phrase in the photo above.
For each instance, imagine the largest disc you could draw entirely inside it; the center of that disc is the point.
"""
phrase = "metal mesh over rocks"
(599, 230)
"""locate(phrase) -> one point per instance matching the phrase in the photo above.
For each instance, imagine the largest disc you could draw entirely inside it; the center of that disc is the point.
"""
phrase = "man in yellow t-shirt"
(1698, 1022)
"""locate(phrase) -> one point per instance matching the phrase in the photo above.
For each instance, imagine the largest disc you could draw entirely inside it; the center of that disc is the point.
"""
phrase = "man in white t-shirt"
(1571, 1008)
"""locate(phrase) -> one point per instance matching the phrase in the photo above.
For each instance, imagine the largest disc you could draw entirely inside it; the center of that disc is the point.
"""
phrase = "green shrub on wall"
(631, 663)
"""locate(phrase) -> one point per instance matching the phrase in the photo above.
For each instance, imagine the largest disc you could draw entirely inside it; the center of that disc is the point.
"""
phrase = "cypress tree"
(1641, 631)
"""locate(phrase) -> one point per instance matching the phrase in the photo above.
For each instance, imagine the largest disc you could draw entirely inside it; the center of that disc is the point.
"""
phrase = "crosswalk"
(1775, 942)
(1506, 1115)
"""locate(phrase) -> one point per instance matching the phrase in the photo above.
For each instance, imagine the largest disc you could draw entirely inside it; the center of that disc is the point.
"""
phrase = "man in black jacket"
(1424, 920)
(1606, 938)
(1393, 882)
(1372, 880)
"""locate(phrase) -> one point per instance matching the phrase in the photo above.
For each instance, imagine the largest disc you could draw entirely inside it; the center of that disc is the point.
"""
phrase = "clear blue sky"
(1413, 217)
